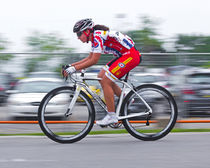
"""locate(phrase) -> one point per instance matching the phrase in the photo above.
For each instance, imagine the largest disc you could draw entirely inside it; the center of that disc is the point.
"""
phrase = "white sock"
(111, 113)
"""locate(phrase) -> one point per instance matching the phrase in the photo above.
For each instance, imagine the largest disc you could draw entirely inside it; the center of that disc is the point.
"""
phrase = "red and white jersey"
(111, 42)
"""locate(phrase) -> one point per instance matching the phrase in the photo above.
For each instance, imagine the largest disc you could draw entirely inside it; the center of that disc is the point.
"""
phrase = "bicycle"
(148, 112)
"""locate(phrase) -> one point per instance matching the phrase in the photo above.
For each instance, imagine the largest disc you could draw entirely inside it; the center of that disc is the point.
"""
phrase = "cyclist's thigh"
(121, 66)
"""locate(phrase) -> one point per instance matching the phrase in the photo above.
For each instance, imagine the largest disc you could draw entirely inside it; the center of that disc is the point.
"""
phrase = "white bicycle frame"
(80, 83)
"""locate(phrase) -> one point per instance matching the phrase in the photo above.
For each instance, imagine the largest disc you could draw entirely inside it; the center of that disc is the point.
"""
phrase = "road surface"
(177, 150)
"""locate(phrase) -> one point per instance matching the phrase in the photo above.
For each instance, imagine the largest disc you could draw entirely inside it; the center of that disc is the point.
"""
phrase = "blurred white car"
(154, 78)
(43, 74)
(25, 99)
(149, 78)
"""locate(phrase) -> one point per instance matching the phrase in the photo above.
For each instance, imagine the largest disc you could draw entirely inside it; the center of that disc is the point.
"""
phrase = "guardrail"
(82, 122)
(149, 59)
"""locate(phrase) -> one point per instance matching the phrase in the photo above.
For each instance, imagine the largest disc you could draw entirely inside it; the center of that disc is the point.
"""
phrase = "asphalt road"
(177, 150)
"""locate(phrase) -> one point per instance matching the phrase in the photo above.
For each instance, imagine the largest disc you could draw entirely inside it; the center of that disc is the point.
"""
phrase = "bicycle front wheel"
(149, 126)
(55, 122)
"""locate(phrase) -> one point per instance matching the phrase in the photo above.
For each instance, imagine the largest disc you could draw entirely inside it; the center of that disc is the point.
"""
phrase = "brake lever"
(83, 72)
(64, 77)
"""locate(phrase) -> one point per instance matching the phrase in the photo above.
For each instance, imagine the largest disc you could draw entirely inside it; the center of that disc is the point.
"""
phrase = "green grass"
(121, 131)
(191, 130)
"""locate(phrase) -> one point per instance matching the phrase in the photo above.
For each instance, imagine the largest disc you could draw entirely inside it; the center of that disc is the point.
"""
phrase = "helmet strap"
(87, 34)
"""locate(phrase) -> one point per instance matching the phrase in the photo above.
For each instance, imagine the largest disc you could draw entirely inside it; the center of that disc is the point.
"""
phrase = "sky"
(20, 18)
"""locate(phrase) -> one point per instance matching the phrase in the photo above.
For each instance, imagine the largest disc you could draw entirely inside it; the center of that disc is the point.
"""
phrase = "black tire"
(73, 127)
(161, 121)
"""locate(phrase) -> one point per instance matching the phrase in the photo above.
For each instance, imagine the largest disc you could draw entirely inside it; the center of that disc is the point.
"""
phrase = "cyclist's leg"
(117, 90)
(108, 90)
(116, 69)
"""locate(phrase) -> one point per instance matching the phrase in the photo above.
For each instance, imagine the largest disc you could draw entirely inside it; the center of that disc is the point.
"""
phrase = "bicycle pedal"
(103, 126)
(115, 125)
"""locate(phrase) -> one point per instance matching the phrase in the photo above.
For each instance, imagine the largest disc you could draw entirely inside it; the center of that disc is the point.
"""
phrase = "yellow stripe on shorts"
(118, 67)
(115, 69)
(128, 60)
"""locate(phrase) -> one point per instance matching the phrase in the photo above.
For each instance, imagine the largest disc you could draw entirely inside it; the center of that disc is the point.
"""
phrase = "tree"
(3, 46)
(145, 38)
(47, 43)
(193, 43)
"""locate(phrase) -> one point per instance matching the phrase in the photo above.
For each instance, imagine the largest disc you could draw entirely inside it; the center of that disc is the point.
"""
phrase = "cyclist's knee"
(102, 76)
(106, 81)
(101, 73)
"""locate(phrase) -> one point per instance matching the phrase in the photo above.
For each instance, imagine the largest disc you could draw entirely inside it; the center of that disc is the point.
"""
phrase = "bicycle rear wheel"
(163, 117)
(70, 128)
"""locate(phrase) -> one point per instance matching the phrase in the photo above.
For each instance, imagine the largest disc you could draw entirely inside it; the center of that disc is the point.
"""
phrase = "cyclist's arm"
(92, 59)
(81, 61)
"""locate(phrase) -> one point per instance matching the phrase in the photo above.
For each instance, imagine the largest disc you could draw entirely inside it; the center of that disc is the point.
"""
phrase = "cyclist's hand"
(64, 67)
(68, 69)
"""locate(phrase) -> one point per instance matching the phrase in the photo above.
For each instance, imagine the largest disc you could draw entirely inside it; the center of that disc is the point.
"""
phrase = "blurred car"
(193, 90)
(175, 70)
(43, 74)
(3, 94)
(154, 78)
(7, 82)
(27, 95)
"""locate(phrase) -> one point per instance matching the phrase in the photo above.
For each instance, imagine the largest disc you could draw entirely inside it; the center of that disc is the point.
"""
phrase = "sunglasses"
(79, 34)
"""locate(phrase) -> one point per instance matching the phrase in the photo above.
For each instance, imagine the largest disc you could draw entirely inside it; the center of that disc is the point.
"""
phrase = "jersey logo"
(121, 65)
(95, 44)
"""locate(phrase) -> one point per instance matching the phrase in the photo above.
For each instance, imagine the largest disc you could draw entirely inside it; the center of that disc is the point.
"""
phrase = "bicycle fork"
(73, 101)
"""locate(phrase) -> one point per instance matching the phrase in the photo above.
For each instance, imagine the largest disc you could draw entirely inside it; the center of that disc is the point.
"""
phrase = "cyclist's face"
(83, 38)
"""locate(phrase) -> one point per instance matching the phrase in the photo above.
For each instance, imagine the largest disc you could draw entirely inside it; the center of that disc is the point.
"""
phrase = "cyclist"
(109, 42)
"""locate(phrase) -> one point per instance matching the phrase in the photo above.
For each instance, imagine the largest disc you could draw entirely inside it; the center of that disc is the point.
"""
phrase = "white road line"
(23, 160)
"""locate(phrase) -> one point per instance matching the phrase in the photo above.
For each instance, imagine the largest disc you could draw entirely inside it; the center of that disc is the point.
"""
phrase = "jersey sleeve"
(97, 44)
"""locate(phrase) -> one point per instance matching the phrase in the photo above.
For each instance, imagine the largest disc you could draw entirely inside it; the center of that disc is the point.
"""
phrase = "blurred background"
(36, 39)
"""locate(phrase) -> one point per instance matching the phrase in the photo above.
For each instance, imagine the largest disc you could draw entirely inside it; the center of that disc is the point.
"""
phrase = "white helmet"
(83, 25)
